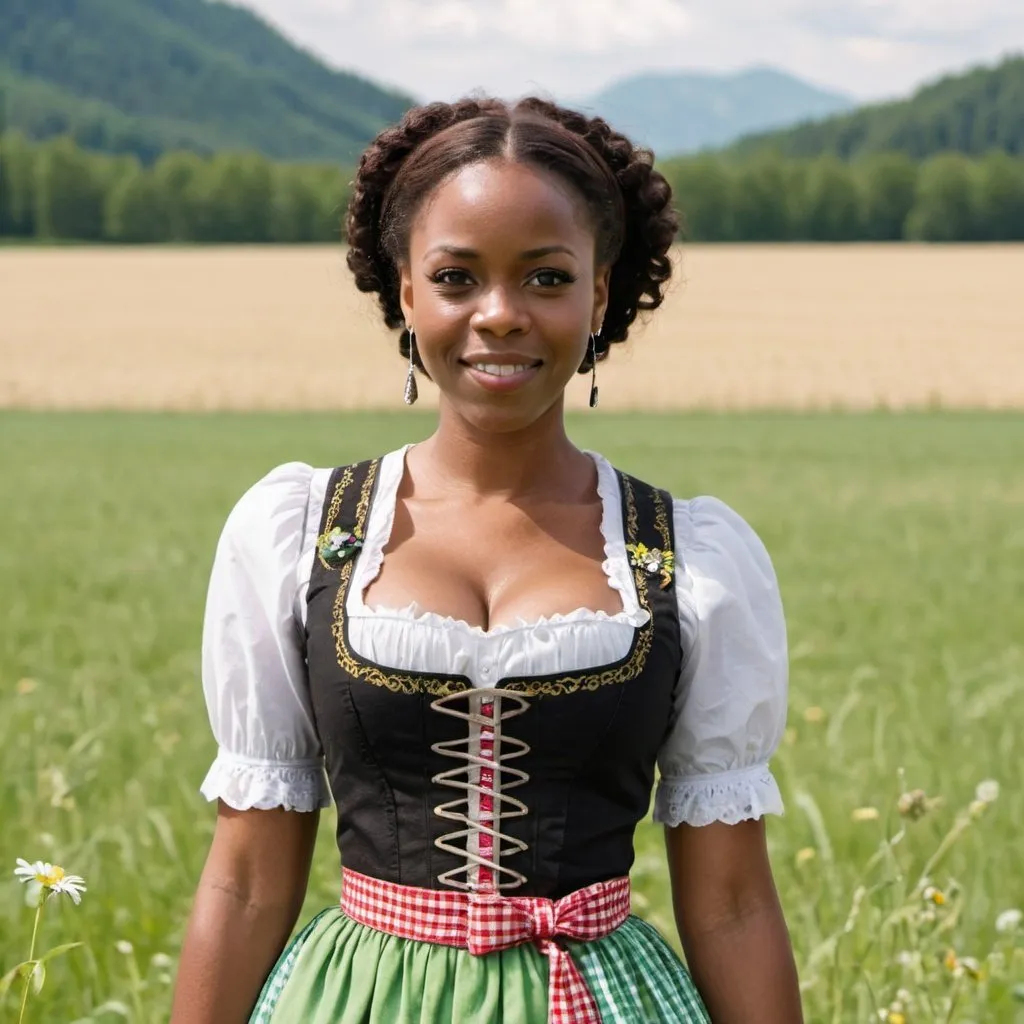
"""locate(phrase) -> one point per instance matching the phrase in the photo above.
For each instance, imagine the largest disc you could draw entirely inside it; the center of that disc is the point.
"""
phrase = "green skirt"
(338, 971)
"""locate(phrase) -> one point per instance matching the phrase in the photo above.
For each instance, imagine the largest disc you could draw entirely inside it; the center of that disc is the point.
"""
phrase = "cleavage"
(511, 567)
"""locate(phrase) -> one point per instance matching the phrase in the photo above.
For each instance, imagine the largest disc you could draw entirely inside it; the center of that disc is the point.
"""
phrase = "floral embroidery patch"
(339, 545)
(653, 561)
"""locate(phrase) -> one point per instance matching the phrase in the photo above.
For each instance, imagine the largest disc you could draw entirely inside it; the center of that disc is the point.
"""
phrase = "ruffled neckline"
(415, 615)
(615, 565)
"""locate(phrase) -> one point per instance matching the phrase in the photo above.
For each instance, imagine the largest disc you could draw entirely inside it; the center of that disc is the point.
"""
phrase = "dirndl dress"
(488, 783)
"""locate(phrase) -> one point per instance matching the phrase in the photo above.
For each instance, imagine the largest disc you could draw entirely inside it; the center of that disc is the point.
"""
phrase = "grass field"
(899, 544)
(744, 326)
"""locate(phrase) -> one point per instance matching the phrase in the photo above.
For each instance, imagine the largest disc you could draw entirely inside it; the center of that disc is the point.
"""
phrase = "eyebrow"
(469, 254)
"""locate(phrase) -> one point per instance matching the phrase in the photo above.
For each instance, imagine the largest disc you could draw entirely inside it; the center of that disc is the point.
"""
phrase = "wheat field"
(744, 327)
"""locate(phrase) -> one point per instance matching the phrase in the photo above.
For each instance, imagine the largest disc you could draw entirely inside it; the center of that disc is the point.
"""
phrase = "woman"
(490, 638)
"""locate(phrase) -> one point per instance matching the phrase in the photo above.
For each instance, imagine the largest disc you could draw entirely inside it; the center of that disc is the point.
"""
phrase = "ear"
(602, 281)
(405, 292)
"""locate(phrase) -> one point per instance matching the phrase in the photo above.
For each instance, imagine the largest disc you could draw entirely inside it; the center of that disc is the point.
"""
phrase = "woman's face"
(502, 290)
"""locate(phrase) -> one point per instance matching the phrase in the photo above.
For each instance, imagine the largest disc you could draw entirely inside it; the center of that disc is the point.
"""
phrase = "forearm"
(744, 968)
(231, 945)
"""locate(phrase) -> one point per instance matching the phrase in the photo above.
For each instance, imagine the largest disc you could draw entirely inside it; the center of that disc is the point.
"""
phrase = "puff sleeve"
(729, 713)
(253, 660)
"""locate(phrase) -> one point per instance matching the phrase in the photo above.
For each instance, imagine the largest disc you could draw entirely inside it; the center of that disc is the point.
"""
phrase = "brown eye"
(551, 278)
(451, 277)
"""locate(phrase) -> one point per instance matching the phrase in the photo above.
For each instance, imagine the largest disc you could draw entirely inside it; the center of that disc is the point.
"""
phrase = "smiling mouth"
(507, 372)
(503, 369)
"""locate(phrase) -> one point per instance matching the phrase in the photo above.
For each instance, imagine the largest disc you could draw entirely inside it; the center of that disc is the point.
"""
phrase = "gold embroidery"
(332, 510)
(399, 682)
(661, 521)
(363, 508)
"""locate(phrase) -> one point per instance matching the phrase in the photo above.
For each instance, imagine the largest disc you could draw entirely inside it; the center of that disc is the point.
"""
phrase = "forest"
(973, 113)
(147, 76)
(54, 190)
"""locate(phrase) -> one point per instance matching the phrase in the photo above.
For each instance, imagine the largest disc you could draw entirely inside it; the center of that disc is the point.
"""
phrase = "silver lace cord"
(465, 842)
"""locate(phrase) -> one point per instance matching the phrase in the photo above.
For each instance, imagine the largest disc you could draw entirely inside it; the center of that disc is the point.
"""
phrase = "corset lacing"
(485, 777)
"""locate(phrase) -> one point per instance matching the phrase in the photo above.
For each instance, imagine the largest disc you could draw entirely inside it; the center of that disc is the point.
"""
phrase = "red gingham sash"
(486, 922)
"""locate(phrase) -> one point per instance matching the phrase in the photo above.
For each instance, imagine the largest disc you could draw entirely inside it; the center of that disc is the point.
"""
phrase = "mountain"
(143, 76)
(680, 112)
(972, 113)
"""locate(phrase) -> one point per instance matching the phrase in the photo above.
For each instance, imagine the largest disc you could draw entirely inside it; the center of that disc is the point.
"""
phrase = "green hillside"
(972, 113)
(145, 76)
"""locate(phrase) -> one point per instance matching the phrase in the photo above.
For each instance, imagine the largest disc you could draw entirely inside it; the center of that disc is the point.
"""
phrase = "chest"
(544, 742)
(494, 564)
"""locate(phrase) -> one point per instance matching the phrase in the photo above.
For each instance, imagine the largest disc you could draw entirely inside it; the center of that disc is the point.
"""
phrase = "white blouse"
(730, 704)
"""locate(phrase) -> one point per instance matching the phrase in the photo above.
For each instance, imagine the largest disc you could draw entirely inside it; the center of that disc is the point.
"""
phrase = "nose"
(500, 311)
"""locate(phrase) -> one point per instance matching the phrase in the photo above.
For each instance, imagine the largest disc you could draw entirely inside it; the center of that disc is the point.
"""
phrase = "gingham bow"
(501, 922)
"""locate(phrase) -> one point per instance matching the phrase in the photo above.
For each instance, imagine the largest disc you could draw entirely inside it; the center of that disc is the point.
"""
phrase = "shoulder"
(727, 589)
(276, 511)
(284, 487)
(706, 528)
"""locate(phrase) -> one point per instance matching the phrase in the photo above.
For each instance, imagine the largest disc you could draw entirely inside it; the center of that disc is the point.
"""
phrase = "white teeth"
(501, 370)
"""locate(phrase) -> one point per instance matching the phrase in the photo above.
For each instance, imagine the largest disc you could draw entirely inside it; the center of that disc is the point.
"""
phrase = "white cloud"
(589, 26)
(438, 49)
(872, 50)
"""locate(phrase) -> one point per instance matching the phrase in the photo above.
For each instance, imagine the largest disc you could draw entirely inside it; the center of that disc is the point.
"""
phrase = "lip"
(500, 385)
(501, 359)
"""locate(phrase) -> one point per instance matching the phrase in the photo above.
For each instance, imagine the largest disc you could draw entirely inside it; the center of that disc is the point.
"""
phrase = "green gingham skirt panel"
(635, 976)
(338, 971)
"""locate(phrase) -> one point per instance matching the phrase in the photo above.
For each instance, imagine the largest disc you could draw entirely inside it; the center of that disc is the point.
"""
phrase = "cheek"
(568, 318)
(438, 311)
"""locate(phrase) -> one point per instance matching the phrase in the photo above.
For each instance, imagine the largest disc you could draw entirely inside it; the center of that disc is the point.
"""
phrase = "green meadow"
(899, 545)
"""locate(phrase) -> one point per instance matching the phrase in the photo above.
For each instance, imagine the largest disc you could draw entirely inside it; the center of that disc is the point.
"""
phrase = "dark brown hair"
(628, 201)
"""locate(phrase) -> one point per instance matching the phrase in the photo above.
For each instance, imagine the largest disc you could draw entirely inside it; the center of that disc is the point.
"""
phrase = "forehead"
(506, 204)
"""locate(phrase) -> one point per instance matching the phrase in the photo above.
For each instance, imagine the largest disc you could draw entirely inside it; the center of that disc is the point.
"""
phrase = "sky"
(570, 49)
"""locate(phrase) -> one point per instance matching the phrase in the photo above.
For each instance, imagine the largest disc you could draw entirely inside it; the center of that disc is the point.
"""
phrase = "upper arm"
(728, 718)
(719, 873)
(254, 669)
(729, 711)
(262, 857)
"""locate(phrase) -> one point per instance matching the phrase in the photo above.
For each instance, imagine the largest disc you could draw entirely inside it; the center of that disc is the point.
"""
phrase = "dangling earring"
(411, 391)
(593, 369)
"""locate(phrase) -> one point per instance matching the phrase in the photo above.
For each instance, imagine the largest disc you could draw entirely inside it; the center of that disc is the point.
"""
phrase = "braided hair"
(628, 201)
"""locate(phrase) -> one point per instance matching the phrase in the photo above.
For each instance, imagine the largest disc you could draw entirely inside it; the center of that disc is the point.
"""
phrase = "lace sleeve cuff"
(246, 784)
(731, 797)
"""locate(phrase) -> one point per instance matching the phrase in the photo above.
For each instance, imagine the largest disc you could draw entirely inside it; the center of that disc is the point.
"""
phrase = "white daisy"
(25, 872)
(1009, 920)
(51, 877)
(987, 791)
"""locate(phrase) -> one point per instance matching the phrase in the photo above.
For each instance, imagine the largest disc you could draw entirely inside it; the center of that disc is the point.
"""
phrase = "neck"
(537, 460)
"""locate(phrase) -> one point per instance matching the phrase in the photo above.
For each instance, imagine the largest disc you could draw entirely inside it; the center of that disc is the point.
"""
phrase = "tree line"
(55, 190)
(885, 197)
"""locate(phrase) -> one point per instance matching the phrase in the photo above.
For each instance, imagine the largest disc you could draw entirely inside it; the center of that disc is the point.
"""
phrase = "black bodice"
(574, 753)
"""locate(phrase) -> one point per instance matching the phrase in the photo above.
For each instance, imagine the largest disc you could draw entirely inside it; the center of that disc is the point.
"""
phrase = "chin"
(503, 417)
